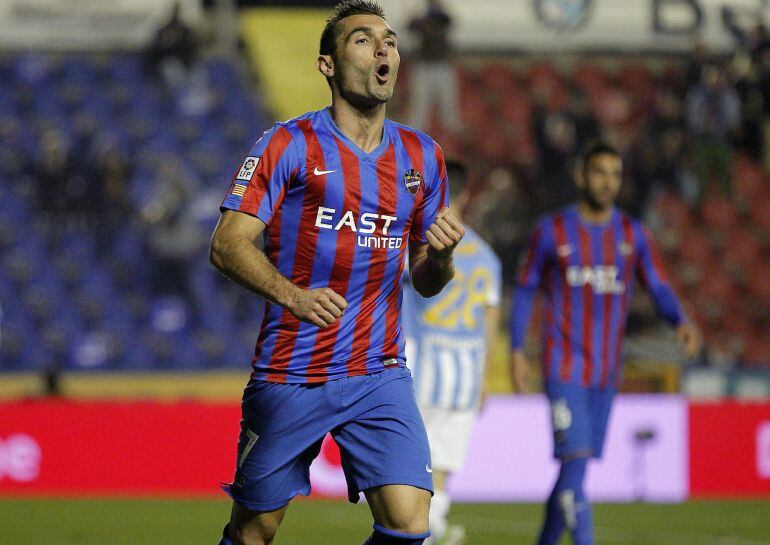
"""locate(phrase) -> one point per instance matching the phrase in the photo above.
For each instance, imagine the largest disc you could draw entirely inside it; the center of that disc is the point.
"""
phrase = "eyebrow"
(368, 30)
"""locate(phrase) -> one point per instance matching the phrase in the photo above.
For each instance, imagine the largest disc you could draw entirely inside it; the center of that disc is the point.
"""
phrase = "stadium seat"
(719, 213)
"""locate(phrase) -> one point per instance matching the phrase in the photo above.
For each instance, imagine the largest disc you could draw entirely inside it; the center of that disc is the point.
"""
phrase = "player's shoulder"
(544, 223)
(425, 140)
(283, 134)
(294, 124)
(629, 221)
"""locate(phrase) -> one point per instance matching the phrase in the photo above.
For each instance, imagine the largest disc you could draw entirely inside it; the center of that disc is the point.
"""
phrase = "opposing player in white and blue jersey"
(449, 339)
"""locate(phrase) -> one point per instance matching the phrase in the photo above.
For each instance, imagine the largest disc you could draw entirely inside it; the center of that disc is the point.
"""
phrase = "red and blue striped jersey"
(587, 272)
(341, 218)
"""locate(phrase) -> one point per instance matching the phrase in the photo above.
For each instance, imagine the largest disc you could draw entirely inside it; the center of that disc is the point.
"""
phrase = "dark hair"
(457, 174)
(597, 148)
(344, 9)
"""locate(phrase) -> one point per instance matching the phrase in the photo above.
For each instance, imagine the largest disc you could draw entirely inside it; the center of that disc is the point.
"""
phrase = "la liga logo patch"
(247, 169)
(412, 181)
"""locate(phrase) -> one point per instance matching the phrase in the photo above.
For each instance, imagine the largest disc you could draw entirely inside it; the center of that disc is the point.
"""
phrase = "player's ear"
(325, 65)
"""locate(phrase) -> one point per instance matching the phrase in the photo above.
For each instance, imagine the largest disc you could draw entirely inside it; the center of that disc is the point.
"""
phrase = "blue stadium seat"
(89, 307)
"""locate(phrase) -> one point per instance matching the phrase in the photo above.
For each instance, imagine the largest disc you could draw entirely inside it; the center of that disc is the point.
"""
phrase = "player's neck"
(363, 127)
(590, 214)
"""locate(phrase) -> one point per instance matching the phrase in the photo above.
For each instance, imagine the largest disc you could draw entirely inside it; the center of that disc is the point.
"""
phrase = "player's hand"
(320, 306)
(689, 338)
(520, 371)
(443, 235)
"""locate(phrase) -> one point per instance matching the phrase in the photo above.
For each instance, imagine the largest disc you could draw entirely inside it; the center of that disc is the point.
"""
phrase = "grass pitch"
(194, 522)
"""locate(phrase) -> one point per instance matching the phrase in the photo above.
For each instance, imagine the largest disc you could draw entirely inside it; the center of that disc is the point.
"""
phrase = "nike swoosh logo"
(428, 469)
(322, 172)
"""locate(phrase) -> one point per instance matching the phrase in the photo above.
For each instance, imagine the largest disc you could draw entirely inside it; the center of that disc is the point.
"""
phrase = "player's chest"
(368, 197)
(602, 265)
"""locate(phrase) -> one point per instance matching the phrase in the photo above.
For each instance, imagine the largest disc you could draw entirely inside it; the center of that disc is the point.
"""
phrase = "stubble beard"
(371, 96)
(595, 204)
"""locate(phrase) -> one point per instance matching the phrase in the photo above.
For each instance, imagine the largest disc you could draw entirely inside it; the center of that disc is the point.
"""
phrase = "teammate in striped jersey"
(448, 341)
(585, 259)
(338, 196)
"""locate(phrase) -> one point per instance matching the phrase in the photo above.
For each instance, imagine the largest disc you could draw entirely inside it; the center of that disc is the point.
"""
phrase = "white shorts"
(449, 433)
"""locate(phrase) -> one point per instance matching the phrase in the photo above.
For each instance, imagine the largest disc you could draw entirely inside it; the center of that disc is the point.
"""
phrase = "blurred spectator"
(15, 159)
(62, 191)
(172, 51)
(556, 138)
(502, 216)
(112, 208)
(224, 15)
(587, 128)
(433, 76)
(713, 114)
(698, 60)
(659, 159)
(174, 237)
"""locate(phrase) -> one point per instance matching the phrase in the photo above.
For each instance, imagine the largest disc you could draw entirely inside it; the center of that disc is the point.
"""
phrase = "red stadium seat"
(758, 285)
(719, 213)
(635, 78)
(759, 211)
(516, 109)
(716, 285)
(613, 106)
(590, 78)
(750, 181)
(695, 246)
(758, 352)
(674, 210)
(499, 78)
(743, 249)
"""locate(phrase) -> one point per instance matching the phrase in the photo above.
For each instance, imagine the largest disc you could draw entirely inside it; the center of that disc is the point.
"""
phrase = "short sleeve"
(260, 183)
(435, 197)
(531, 266)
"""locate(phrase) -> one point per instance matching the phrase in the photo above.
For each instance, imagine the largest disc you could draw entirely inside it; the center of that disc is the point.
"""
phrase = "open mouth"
(383, 73)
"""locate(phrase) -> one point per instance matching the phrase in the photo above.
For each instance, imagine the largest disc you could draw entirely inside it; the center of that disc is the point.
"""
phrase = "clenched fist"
(444, 234)
(320, 306)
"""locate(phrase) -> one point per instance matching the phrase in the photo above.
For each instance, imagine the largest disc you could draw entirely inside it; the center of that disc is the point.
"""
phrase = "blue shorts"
(579, 418)
(373, 418)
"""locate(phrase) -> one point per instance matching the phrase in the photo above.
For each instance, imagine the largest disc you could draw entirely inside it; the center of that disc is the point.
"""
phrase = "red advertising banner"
(79, 448)
(729, 449)
(104, 448)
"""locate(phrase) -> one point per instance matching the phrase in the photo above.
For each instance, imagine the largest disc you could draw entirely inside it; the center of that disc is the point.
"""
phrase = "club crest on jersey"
(625, 248)
(247, 169)
(412, 181)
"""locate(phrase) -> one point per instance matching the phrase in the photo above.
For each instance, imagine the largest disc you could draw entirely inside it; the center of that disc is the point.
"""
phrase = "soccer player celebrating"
(449, 339)
(585, 259)
(337, 195)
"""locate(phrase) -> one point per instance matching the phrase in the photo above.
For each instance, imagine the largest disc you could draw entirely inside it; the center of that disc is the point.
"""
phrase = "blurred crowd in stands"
(112, 167)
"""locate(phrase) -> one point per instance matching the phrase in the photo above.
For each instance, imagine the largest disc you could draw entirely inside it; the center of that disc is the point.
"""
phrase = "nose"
(382, 49)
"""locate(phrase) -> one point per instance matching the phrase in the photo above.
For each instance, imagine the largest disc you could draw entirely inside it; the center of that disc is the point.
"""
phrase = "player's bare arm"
(432, 266)
(520, 371)
(234, 254)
